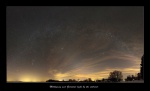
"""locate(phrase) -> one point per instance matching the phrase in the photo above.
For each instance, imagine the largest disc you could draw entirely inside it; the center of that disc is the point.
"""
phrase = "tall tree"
(115, 76)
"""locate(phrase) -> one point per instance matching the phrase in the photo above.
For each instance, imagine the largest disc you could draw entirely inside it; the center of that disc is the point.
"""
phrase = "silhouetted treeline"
(132, 78)
(115, 76)
(51, 80)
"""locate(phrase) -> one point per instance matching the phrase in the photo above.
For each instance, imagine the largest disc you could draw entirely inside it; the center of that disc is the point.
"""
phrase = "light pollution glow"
(81, 73)
(73, 42)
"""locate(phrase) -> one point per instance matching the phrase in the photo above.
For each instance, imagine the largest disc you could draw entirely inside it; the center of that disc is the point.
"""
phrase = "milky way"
(65, 42)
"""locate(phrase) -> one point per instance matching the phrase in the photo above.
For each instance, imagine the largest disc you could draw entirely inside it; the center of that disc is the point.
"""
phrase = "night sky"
(66, 42)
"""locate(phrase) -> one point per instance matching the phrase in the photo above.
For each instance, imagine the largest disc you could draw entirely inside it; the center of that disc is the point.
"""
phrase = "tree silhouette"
(128, 78)
(115, 76)
(132, 78)
(142, 67)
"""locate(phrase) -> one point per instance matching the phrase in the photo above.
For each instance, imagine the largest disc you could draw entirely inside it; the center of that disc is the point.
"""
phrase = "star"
(73, 42)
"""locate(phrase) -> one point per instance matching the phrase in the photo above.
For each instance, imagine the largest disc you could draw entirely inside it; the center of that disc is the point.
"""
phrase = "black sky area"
(63, 42)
